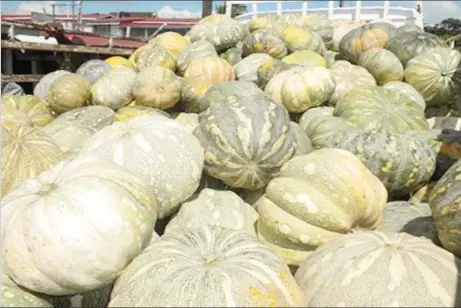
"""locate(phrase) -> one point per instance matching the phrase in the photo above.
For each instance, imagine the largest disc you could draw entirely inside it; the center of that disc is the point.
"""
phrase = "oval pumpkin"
(382, 64)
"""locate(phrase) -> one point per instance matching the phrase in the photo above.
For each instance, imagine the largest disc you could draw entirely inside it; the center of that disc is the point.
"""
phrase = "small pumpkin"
(29, 106)
(171, 41)
(156, 56)
(263, 42)
(42, 87)
(305, 57)
(212, 68)
(68, 92)
(269, 69)
(232, 55)
(297, 38)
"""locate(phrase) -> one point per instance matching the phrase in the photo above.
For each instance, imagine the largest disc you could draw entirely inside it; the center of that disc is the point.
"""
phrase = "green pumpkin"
(247, 68)
(382, 64)
(263, 42)
(407, 90)
(196, 50)
(305, 57)
(269, 69)
(156, 55)
(15, 296)
(422, 195)
(297, 38)
(232, 55)
(246, 140)
(193, 89)
(408, 45)
(321, 25)
(403, 163)
(408, 28)
(378, 108)
(68, 92)
(303, 143)
(436, 74)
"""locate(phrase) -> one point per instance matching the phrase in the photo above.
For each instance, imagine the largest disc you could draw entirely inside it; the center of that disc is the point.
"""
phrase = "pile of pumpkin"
(291, 161)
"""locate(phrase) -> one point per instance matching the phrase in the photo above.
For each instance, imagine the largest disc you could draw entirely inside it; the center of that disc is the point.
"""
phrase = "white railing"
(396, 15)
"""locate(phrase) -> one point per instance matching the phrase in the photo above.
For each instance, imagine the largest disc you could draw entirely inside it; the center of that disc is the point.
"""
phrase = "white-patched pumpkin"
(155, 56)
(382, 64)
(196, 50)
(247, 68)
(407, 90)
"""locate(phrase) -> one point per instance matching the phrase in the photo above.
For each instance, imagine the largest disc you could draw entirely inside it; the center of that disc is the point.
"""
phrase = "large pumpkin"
(297, 38)
(321, 25)
(269, 69)
(247, 68)
(93, 69)
(246, 140)
(171, 41)
(306, 206)
(159, 150)
(375, 269)
(436, 74)
(382, 64)
(341, 27)
(42, 87)
(305, 57)
(207, 267)
(68, 92)
(29, 106)
(264, 42)
(407, 90)
(212, 68)
(196, 50)
(156, 56)
(301, 88)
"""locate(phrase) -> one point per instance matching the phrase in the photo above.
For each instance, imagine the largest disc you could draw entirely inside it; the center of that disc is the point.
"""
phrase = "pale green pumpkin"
(93, 69)
(408, 28)
(263, 42)
(297, 38)
(382, 64)
(407, 90)
(232, 55)
(68, 92)
(15, 296)
(213, 69)
(303, 143)
(193, 89)
(305, 57)
(129, 112)
(30, 106)
(247, 68)
(156, 55)
(269, 69)
(43, 86)
(196, 50)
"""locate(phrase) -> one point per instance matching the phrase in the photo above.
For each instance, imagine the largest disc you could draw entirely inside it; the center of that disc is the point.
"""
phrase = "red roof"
(100, 41)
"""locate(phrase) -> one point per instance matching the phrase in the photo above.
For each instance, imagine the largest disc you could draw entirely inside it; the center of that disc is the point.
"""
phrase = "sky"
(434, 11)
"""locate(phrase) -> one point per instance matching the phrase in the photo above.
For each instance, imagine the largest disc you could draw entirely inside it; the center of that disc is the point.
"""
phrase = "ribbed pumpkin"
(157, 87)
(214, 208)
(42, 87)
(263, 42)
(375, 269)
(382, 64)
(436, 74)
(321, 25)
(246, 140)
(378, 107)
(269, 69)
(114, 89)
(92, 70)
(247, 68)
(341, 28)
(402, 163)
(156, 56)
(297, 38)
(26, 152)
(305, 57)
(408, 45)
(196, 50)
(134, 56)
(193, 89)
(118, 61)
(232, 55)
(361, 39)
(29, 106)
(319, 123)
(212, 68)
(347, 77)
(305, 206)
(46, 262)
(15, 296)
(159, 150)
(406, 89)
(408, 28)
(217, 266)
(301, 88)
(172, 41)
(445, 202)
(129, 112)
(303, 143)
(68, 92)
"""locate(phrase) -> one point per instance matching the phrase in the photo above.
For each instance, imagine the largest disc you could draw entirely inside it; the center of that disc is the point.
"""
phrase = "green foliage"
(446, 29)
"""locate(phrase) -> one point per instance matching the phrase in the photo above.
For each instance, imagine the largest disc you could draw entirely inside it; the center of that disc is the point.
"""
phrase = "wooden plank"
(68, 48)
(21, 78)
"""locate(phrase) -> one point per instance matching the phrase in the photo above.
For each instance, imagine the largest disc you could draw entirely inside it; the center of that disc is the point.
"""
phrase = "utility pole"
(341, 3)
(207, 8)
(73, 14)
(79, 14)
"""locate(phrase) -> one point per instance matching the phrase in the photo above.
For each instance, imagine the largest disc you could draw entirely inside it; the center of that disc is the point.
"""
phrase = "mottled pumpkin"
(193, 89)
(408, 45)
(196, 50)
(269, 69)
(217, 266)
(29, 106)
(171, 41)
(68, 92)
(93, 69)
(212, 68)
(321, 25)
(301, 88)
(263, 42)
(232, 55)
(246, 140)
(247, 68)
(422, 194)
(436, 74)
(305, 206)
(382, 64)
(403, 163)
(118, 61)
(378, 108)
(261, 22)
(15, 296)
(348, 76)
(376, 269)
(156, 56)
(407, 90)
(341, 28)
(303, 143)
(371, 35)
(305, 57)
(129, 112)
(408, 28)
(297, 38)
(42, 87)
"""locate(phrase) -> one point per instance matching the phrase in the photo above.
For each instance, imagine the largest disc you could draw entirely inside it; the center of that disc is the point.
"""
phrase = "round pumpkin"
(196, 50)
(341, 27)
(171, 41)
(247, 68)
(436, 74)
(264, 42)
(297, 38)
(305, 206)
(68, 92)
(29, 106)
(305, 57)
(156, 56)
(382, 64)
(232, 55)
(192, 91)
(217, 266)
(406, 89)
(92, 70)
(45, 261)
(376, 269)
(42, 87)
(321, 25)
(127, 113)
(261, 22)
(246, 140)
(134, 56)
(301, 88)
(212, 68)
(117, 61)
(269, 69)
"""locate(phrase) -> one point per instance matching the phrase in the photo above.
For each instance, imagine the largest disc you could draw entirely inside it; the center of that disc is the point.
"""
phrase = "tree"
(237, 9)
(446, 28)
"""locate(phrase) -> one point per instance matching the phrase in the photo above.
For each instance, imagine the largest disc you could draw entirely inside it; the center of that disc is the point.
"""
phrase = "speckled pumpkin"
(43, 86)
(407, 90)
(305, 57)
(301, 88)
(29, 106)
(68, 92)
(193, 89)
(361, 39)
(263, 42)
(118, 61)
(127, 113)
(376, 269)
(436, 74)
(297, 38)
(378, 107)
(382, 64)
(247, 68)
(305, 207)
(212, 68)
(218, 266)
(246, 140)
(196, 50)
(156, 56)
(171, 41)
(403, 163)
(269, 69)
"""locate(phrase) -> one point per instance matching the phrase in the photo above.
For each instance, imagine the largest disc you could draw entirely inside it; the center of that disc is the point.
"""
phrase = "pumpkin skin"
(188, 120)
(303, 144)
(234, 267)
(408, 45)
(297, 38)
(232, 55)
(422, 194)
(30, 106)
(212, 68)
(196, 50)
(320, 25)
(68, 92)
(341, 28)
(358, 40)
(402, 163)
(305, 57)
(157, 149)
(394, 263)
(12, 88)
(445, 202)
(382, 64)
(114, 89)
(377, 108)
(193, 89)
(92, 70)
(331, 57)
(269, 69)
(348, 76)
(156, 56)
(264, 42)
(407, 90)
(127, 113)
(408, 28)
(157, 87)
(436, 74)
(247, 68)
(246, 140)
(171, 41)
(301, 88)
(304, 207)
(14, 296)
(42, 87)
(118, 61)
